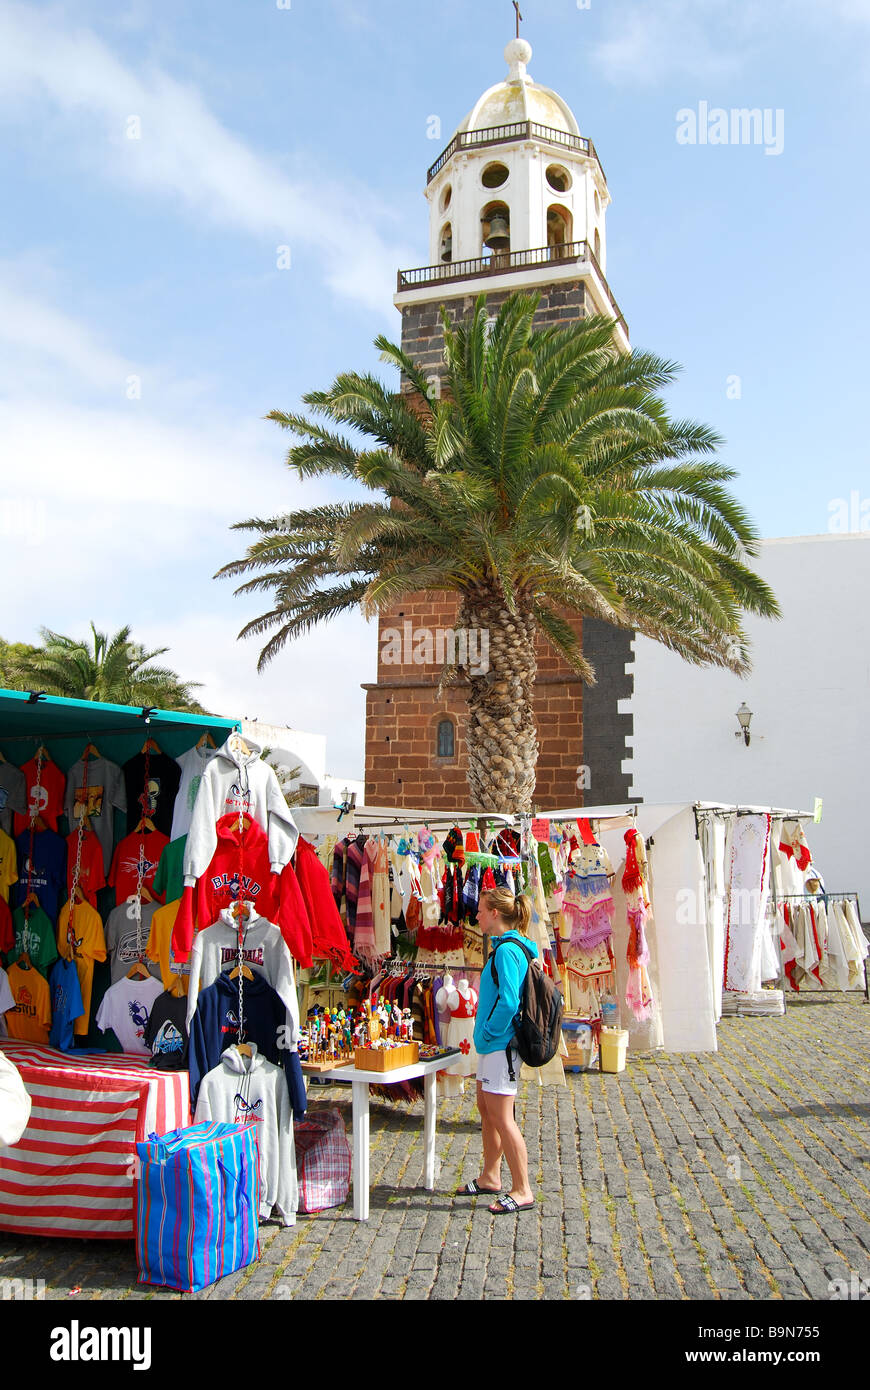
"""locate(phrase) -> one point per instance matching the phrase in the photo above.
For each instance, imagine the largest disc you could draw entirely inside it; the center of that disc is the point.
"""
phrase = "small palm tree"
(545, 481)
(113, 670)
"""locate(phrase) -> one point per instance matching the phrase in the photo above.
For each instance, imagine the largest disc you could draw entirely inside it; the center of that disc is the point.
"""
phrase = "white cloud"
(183, 152)
(708, 39)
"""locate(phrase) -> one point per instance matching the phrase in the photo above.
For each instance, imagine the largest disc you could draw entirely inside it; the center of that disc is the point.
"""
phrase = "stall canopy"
(65, 725)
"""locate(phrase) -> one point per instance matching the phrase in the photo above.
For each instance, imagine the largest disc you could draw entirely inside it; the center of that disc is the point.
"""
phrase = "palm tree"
(546, 480)
(113, 670)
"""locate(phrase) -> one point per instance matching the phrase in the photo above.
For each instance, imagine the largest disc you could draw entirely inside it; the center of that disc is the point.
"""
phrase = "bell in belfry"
(499, 238)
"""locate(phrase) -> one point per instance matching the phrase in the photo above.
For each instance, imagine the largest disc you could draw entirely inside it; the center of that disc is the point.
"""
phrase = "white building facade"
(809, 695)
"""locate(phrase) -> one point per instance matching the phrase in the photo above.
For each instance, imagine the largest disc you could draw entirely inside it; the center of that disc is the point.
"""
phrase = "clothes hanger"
(91, 751)
(206, 740)
(177, 988)
(150, 746)
(238, 745)
(244, 1049)
(31, 899)
(146, 823)
(247, 973)
(140, 969)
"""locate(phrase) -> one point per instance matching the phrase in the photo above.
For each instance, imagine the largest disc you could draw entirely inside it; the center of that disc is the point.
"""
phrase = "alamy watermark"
(739, 125)
(21, 1290)
(849, 514)
(853, 1288)
(424, 646)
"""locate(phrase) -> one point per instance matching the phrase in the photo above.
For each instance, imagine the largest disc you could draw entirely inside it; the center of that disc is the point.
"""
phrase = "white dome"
(518, 98)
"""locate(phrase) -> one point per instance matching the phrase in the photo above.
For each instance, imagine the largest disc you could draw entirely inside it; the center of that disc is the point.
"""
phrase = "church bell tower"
(517, 201)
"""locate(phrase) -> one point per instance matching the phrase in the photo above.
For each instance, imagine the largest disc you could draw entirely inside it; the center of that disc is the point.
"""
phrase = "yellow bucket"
(614, 1046)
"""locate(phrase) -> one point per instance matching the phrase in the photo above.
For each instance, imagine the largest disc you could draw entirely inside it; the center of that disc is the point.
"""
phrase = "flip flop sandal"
(473, 1189)
(506, 1206)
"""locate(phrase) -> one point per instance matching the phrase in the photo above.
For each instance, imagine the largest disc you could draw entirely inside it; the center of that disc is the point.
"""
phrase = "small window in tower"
(597, 244)
(446, 738)
(446, 245)
(558, 178)
(597, 203)
(494, 175)
(559, 230)
(445, 198)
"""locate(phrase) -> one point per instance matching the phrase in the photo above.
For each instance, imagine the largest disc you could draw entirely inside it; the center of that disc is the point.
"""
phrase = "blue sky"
(146, 329)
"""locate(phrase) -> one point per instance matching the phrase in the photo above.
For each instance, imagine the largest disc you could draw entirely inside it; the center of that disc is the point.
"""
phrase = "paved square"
(743, 1174)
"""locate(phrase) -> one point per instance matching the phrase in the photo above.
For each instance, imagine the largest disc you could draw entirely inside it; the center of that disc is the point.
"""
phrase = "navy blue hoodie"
(215, 1027)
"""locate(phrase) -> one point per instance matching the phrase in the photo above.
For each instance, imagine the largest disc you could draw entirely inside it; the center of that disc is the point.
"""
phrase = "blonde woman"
(505, 919)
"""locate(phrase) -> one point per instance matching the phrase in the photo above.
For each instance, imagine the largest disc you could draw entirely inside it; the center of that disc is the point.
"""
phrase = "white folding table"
(360, 1082)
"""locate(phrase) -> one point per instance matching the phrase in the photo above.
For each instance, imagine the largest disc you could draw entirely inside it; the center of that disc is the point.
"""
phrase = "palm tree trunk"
(500, 734)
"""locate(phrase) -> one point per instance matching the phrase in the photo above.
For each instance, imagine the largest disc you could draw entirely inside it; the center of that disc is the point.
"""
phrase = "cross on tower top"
(516, 5)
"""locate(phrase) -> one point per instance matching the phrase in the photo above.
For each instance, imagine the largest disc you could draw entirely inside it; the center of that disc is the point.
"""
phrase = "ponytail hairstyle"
(516, 911)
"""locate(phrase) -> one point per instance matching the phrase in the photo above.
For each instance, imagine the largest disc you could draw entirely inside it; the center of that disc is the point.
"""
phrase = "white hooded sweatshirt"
(235, 781)
(250, 1090)
(264, 950)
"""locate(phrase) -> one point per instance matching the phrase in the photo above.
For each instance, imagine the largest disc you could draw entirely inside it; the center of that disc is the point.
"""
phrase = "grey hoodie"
(265, 952)
(251, 1090)
(236, 782)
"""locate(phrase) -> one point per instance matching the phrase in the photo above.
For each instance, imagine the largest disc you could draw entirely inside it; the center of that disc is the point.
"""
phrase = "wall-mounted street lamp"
(744, 718)
(347, 803)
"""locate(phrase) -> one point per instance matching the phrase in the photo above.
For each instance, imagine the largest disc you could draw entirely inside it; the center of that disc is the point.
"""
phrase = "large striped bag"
(198, 1205)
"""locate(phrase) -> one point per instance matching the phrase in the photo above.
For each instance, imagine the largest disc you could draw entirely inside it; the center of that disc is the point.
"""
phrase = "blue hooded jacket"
(497, 1008)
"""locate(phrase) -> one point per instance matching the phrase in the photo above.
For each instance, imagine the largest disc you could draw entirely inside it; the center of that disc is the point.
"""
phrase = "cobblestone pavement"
(743, 1174)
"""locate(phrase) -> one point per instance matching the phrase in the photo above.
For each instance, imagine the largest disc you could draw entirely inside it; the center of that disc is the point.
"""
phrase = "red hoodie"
(240, 867)
(327, 929)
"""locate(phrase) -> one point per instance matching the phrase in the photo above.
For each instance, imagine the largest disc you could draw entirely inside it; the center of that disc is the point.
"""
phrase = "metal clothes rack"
(825, 896)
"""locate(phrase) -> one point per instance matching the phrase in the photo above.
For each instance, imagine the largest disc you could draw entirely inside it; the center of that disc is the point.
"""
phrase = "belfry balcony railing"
(503, 263)
(507, 134)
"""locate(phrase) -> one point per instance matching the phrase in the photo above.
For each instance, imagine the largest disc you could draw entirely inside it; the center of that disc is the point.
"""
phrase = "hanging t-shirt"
(35, 938)
(169, 879)
(125, 1009)
(157, 802)
(6, 999)
(192, 764)
(45, 873)
(66, 1004)
(92, 876)
(47, 800)
(105, 790)
(13, 794)
(166, 1032)
(83, 941)
(123, 943)
(159, 947)
(8, 864)
(7, 931)
(144, 845)
(30, 1016)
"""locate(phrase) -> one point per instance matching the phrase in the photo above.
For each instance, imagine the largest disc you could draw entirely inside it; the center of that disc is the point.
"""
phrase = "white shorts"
(493, 1074)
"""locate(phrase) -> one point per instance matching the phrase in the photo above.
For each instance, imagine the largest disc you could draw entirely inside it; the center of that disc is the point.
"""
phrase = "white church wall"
(809, 691)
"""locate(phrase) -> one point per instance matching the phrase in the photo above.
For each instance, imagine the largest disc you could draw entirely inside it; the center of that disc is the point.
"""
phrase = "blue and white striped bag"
(198, 1205)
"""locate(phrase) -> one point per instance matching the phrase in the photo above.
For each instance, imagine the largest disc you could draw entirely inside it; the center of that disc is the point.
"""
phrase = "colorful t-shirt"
(45, 874)
(105, 790)
(158, 802)
(8, 864)
(124, 873)
(92, 875)
(47, 801)
(159, 946)
(193, 764)
(13, 794)
(169, 879)
(125, 1009)
(66, 1003)
(125, 945)
(166, 1033)
(34, 937)
(83, 941)
(30, 1017)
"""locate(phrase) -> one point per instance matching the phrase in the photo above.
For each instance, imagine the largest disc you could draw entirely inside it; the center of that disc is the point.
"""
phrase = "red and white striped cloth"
(72, 1171)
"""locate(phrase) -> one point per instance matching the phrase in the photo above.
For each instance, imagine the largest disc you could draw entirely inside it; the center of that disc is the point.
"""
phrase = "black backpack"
(537, 1026)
